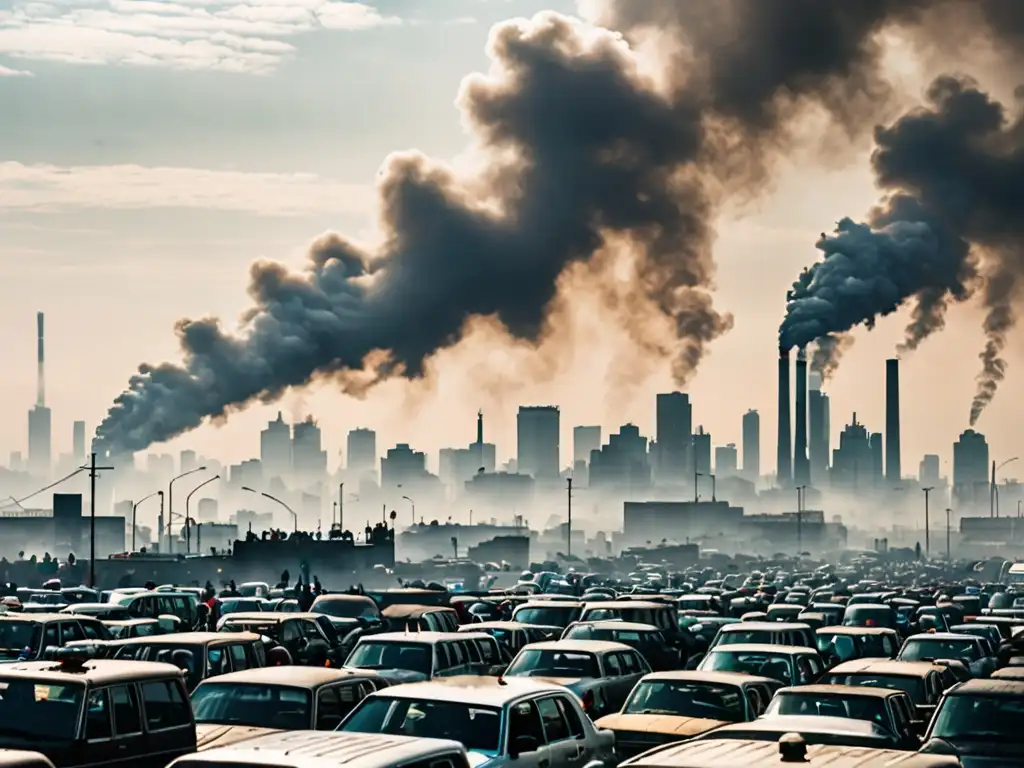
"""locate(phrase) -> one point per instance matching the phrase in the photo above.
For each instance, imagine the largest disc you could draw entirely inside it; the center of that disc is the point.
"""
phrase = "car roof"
(579, 646)
(509, 625)
(988, 688)
(885, 667)
(628, 626)
(190, 638)
(780, 626)
(846, 690)
(808, 724)
(728, 753)
(779, 650)
(270, 617)
(718, 678)
(42, 618)
(634, 604)
(328, 747)
(94, 671)
(552, 604)
(337, 597)
(298, 677)
(472, 689)
(427, 638)
(842, 630)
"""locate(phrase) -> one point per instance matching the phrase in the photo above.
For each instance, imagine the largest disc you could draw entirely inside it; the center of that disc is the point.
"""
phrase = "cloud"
(8, 72)
(247, 36)
(48, 188)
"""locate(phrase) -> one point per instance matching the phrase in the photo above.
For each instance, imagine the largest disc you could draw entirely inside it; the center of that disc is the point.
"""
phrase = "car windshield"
(970, 717)
(869, 616)
(241, 605)
(771, 665)
(926, 649)
(346, 609)
(258, 705)
(914, 686)
(38, 711)
(746, 636)
(478, 728)
(533, 662)
(686, 698)
(16, 636)
(548, 616)
(185, 657)
(870, 708)
(414, 657)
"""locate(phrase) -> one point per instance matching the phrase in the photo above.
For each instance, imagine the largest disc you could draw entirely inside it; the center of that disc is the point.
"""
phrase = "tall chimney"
(801, 466)
(785, 449)
(893, 471)
(41, 391)
(480, 427)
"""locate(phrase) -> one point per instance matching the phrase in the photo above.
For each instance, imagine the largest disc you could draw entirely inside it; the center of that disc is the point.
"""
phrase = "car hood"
(212, 736)
(670, 725)
(574, 684)
(395, 676)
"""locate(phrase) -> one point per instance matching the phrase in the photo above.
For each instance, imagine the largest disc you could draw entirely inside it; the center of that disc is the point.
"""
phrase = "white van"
(330, 749)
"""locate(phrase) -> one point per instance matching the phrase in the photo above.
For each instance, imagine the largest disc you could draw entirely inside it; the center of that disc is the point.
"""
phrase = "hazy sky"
(150, 150)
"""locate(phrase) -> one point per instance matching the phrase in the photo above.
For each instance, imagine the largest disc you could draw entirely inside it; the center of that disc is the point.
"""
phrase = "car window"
(473, 651)
(165, 705)
(239, 660)
(457, 653)
(328, 708)
(97, 717)
(569, 714)
(489, 651)
(70, 631)
(442, 660)
(612, 665)
(216, 661)
(51, 637)
(90, 630)
(555, 728)
(127, 714)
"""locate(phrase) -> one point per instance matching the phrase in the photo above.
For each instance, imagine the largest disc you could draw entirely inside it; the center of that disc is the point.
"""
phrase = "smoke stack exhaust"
(480, 427)
(801, 466)
(40, 361)
(785, 450)
(893, 470)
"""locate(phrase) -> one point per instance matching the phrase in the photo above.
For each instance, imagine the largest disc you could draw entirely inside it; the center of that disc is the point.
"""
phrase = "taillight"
(588, 701)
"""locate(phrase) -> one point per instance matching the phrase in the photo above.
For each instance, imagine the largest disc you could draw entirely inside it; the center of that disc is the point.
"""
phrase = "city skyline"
(68, 252)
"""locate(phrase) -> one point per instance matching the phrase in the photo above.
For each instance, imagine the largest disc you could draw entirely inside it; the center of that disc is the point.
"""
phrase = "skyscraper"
(725, 461)
(40, 453)
(585, 440)
(893, 472)
(752, 445)
(702, 451)
(362, 450)
(309, 460)
(819, 439)
(537, 428)
(851, 461)
(929, 472)
(970, 459)
(276, 448)
(78, 441)
(673, 439)
(623, 462)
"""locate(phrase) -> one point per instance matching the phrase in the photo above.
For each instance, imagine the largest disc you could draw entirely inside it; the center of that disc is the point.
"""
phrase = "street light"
(188, 530)
(413, 503)
(927, 527)
(135, 506)
(170, 505)
(295, 518)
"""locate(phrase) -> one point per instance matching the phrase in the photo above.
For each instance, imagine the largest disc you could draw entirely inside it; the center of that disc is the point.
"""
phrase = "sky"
(151, 150)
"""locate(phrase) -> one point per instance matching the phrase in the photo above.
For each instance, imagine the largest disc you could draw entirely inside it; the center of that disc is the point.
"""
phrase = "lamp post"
(188, 518)
(135, 506)
(170, 505)
(295, 518)
(413, 503)
(927, 527)
(800, 489)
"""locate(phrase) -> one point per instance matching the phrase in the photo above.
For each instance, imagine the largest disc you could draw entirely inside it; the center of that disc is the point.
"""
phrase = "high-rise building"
(276, 448)
(482, 456)
(673, 438)
(875, 445)
(188, 461)
(584, 441)
(362, 450)
(160, 465)
(702, 451)
(725, 460)
(622, 462)
(402, 465)
(752, 445)
(851, 461)
(40, 451)
(970, 459)
(819, 431)
(893, 469)
(309, 460)
(929, 474)
(537, 428)
(78, 441)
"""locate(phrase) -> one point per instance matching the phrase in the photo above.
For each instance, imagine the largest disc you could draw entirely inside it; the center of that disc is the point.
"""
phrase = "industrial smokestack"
(479, 427)
(785, 450)
(893, 471)
(40, 357)
(801, 466)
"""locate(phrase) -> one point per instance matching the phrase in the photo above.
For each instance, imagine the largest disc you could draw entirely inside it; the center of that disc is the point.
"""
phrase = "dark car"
(980, 722)
(199, 654)
(648, 640)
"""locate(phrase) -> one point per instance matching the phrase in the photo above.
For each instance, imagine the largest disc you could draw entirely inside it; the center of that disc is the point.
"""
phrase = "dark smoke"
(578, 146)
(956, 173)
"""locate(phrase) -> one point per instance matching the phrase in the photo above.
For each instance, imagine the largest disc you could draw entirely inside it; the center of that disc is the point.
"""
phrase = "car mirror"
(521, 745)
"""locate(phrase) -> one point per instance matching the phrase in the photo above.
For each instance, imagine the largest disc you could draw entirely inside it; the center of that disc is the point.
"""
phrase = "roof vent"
(793, 748)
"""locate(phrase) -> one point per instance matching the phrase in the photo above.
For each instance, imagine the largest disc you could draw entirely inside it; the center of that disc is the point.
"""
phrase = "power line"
(42, 490)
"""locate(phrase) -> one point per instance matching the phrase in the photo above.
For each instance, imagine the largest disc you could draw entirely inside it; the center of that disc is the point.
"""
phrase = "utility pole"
(948, 558)
(569, 528)
(800, 521)
(93, 469)
(927, 527)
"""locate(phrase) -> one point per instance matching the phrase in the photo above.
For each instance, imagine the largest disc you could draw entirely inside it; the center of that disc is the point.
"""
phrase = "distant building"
(877, 467)
(206, 511)
(622, 462)
(309, 460)
(78, 441)
(249, 472)
(501, 488)
(40, 455)
(160, 465)
(276, 448)
(852, 460)
(60, 531)
(752, 445)
(929, 473)
(362, 450)
(188, 461)
(702, 451)
(971, 486)
(406, 467)
(679, 522)
(819, 437)
(584, 440)
(725, 461)
(538, 431)
(673, 452)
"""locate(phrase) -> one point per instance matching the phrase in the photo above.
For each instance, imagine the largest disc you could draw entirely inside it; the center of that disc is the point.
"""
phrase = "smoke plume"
(581, 149)
(954, 221)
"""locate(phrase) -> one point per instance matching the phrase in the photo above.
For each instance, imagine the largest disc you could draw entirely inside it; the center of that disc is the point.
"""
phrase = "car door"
(167, 714)
(99, 729)
(526, 730)
(566, 749)
(130, 743)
